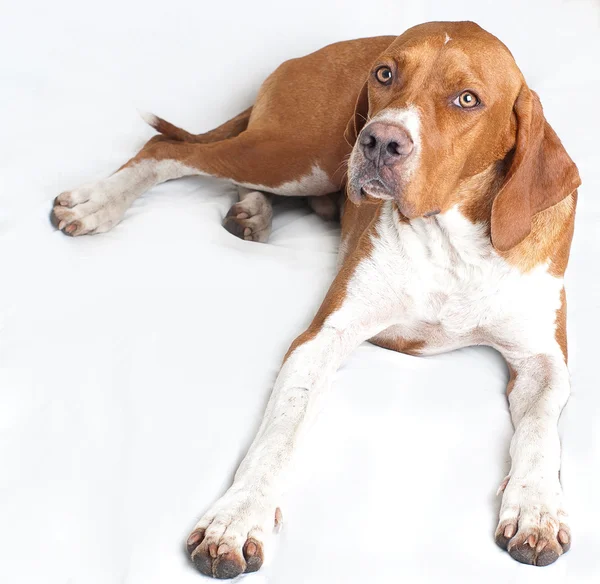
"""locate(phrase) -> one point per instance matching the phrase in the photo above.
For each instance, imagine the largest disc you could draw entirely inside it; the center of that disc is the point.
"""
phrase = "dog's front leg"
(533, 521)
(229, 538)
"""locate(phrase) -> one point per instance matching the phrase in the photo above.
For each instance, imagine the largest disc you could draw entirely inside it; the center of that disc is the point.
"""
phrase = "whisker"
(343, 163)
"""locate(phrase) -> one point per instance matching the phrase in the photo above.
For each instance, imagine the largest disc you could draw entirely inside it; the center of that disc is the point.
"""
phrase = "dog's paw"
(95, 207)
(251, 218)
(229, 540)
(533, 525)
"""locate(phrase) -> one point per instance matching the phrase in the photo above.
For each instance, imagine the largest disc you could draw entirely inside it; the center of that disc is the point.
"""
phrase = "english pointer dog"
(457, 204)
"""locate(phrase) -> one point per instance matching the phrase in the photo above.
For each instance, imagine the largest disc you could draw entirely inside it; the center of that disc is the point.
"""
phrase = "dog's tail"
(229, 129)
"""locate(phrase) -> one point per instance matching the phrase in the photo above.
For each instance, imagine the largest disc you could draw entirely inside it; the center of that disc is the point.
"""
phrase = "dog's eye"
(466, 99)
(384, 75)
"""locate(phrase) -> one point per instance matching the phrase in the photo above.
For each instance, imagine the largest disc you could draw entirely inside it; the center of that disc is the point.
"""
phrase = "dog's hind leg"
(254, 159)
(99, 205)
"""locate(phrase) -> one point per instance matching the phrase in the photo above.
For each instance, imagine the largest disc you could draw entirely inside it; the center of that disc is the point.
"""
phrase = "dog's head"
(443, 103)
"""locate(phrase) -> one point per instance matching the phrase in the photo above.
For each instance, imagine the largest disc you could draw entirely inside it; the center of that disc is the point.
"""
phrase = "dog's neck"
(475, 195)
(464, 227)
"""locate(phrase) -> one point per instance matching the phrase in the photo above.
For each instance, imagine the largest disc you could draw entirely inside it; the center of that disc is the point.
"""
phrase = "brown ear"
(359, 117)
(541, 174)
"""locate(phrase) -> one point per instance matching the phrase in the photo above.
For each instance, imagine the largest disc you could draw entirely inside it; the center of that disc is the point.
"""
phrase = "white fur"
(455, 290)
(316, 183)
(533, 498)
(407, 117)
(99, 205)
(447, 39)
(458, 291)
(148, 117)
(436, 279)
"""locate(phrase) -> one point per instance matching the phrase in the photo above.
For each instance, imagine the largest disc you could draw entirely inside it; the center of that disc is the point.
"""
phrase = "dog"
(457, 203)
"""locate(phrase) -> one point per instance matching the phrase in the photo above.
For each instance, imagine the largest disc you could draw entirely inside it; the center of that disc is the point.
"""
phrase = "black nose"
(385, 144)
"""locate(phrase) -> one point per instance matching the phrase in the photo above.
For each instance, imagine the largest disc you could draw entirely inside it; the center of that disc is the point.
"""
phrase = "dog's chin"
(376, 190)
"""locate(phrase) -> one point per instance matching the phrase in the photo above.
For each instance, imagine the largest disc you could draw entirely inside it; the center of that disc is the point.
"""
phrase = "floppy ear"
(359, 117)
(541, 174)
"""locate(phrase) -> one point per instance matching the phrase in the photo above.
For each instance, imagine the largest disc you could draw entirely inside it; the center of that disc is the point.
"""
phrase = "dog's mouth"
(376, 189)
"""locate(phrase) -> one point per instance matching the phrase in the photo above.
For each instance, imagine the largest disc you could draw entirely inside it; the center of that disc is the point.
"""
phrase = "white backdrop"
(135, 365)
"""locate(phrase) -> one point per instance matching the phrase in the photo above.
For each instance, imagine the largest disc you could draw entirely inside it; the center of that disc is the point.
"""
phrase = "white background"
(135, 365)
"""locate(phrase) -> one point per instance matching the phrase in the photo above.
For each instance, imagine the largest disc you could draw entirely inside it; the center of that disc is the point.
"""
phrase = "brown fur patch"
(511, 380)
(551, 229)
(549, 240)
(400, 345)
(229, 129)
(561, 325)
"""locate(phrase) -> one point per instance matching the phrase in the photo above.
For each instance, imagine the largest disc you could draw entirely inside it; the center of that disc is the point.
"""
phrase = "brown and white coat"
(456, 231)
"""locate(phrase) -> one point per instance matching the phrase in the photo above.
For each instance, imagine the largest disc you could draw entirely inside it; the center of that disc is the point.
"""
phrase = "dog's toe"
(253, 553)
(218, 561)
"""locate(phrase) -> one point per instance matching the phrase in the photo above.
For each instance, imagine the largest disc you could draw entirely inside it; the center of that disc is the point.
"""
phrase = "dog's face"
(437, 108)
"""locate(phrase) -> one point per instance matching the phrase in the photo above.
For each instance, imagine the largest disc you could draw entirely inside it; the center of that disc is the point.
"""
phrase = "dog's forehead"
(445, 33)
(451, 39)
(461, 47)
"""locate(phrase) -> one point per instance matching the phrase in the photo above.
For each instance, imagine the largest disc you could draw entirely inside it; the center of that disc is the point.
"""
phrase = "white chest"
(448, 287)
